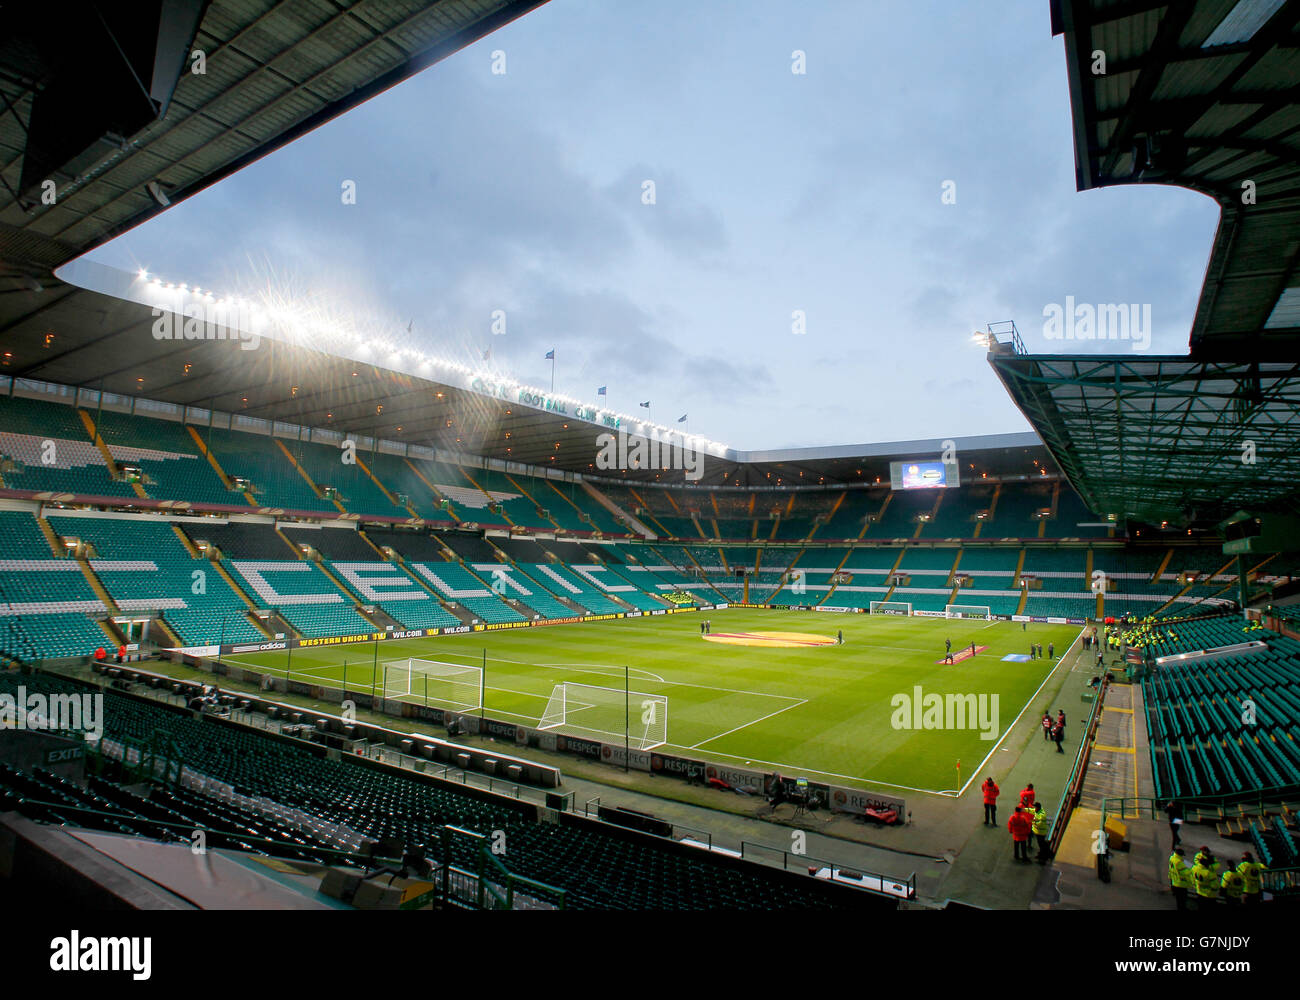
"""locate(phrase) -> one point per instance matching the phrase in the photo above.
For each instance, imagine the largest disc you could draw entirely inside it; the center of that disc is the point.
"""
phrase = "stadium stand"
(262, 460)
(355, 490)
(44, 601)
(1014, 516)
(468, 502)
(657, 576)
(1203, 741)
(471, 548)
(521, 549)
(145, 568)
(458, 585)
(849, 519)
(515, 583)
(166, 452)
(901, 516)
(565, 582)
(302, 594)
(343, 542)
(1073, 519)
(517, 506)
(394, 591)
(408, 544)
(598, 866)
(239, 539)
(401, 479)
(45, 446)
(957, 516)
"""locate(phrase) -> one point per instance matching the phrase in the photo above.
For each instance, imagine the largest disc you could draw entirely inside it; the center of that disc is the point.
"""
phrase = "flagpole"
(552, 371)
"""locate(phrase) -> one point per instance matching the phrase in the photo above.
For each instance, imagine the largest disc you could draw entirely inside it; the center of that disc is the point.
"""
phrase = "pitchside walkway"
(1139, 874)
(984, 872)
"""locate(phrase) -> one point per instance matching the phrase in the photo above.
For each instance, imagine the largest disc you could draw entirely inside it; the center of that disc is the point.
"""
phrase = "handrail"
(832, 866)
(708, 836)
(490, 872)
(1074, 784)
(1263, 797)
(1278, 880)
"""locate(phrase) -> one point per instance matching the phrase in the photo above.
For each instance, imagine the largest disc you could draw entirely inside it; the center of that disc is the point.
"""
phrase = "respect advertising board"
(856, 802)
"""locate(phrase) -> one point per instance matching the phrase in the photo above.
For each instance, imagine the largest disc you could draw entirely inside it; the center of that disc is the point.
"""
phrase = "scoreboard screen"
(922, 475)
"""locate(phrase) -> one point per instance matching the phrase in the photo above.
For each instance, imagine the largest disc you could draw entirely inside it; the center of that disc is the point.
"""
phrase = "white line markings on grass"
(603, 671)
(801, 701)
(795, 702)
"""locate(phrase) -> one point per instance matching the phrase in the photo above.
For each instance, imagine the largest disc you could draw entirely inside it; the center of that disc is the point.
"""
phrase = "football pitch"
(847, 714)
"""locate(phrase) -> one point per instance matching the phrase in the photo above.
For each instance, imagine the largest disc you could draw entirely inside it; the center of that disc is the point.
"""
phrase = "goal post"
(610, 713)
(451, 685)
(966, 611)
(891, 608)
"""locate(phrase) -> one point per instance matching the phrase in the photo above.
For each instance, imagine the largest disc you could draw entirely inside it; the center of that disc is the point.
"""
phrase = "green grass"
(825, 711)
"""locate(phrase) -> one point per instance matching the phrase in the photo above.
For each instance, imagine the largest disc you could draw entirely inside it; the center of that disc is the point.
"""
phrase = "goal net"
(611, 713)
(966, 611)
(891, 608)
(432, 682)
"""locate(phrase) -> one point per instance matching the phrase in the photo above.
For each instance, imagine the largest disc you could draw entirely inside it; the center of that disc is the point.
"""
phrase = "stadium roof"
(102, 337)
(105, 100)
(1164, 438)
(1202, 94)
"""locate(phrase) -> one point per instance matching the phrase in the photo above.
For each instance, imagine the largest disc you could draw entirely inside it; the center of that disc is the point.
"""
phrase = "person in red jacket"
(1027, 797)
(1020, 826)
(990, 790)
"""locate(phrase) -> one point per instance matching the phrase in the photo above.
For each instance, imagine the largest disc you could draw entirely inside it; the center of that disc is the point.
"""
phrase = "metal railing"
(1229, 805)
(1078, 771)
(1280, 880)
(700, 836)
(892, 885)
(491, 886)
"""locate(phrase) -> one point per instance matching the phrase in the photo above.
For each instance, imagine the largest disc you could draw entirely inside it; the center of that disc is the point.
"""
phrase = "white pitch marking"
(802, 701)
(585, 668)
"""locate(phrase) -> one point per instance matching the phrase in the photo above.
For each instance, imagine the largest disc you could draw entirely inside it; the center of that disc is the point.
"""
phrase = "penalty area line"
(802, 701)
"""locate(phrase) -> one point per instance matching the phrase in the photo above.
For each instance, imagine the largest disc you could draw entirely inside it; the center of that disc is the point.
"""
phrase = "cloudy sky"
(776, 194)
